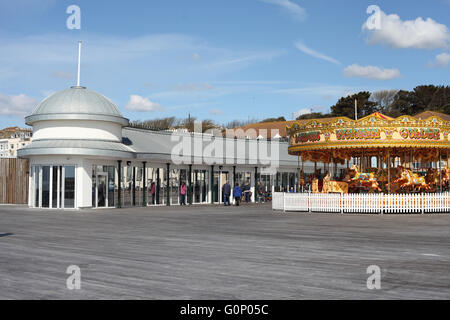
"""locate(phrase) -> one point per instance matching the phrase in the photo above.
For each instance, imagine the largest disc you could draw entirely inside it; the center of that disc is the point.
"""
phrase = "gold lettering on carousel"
(307, 136)
(414, 133)
(350, 134)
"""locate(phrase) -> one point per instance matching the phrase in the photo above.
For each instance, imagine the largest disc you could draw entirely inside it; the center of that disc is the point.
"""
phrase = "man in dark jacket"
(226, 191)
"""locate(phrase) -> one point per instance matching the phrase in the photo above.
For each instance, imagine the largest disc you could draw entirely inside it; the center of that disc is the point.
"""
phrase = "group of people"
(238, 191)
(226, 191)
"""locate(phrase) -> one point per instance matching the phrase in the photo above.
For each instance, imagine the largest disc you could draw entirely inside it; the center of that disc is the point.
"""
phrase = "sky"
(219, 59)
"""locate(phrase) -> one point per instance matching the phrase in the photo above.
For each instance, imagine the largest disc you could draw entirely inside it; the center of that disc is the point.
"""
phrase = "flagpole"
(79, 62)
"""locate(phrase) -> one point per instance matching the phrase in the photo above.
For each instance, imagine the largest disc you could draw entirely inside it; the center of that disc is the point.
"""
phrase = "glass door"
(101, 197)
(215, 195)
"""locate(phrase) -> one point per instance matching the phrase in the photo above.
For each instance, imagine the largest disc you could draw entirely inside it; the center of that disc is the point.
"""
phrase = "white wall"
(77, 129)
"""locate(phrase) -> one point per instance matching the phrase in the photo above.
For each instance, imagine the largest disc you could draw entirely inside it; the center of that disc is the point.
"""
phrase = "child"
(237, 193)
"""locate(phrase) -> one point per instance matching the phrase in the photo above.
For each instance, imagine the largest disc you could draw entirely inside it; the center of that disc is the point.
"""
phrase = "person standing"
(260, 192)
(247, 192)
(153, 191)
(226, 191)
(182, 194)
(237, 193)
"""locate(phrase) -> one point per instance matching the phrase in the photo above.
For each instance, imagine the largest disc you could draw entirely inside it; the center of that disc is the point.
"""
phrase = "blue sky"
(219, 60)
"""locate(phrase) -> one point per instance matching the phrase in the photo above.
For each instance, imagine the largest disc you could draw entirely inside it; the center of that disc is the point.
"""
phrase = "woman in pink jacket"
(183, 193)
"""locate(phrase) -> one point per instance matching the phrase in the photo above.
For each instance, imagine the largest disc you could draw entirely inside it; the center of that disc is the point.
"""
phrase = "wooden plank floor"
(216, 252)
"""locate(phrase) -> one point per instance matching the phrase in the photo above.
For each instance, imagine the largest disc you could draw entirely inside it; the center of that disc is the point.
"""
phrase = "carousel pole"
(379, 161)
(389, 171)
(411, 158)
(303, 172)
(447, 160)
(332, 169)
(440, 172)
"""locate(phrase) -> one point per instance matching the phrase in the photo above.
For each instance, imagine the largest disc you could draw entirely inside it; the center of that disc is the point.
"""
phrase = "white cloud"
(370, 72)
(418, 33)
(216, 112)
(289, 6)
(303, 48)
(19, 105)
(443, 59)
(138, 103)
(301, 112)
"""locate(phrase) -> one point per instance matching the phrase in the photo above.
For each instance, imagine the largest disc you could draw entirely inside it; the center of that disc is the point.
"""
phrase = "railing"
(362, 203)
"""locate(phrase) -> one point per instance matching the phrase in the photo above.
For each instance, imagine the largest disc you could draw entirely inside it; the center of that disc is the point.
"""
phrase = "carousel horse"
(332, 186)
(445, 175)
(412, 181)
(432, 178)
(366, 179)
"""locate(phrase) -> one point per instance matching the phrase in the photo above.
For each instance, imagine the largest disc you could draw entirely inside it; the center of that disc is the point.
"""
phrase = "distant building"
(13, 139)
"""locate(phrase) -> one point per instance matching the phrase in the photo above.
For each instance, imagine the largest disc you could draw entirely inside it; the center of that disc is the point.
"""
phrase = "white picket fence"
(362, 203)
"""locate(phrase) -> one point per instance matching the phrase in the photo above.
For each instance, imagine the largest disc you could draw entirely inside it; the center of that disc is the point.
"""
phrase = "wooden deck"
(216, 252)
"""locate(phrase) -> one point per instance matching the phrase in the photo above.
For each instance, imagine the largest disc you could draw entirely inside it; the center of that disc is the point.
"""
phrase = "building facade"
(12, 139)
(84, 155)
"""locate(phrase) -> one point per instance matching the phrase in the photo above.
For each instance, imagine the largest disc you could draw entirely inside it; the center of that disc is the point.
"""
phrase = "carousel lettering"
(414, 133)
(349, 134)
(307, 136)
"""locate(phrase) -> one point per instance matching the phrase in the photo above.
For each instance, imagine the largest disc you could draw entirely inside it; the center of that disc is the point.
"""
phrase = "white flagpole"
(356, 109)
(79, 62)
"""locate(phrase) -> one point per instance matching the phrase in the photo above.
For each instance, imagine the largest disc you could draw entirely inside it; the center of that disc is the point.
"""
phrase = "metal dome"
(77, 103)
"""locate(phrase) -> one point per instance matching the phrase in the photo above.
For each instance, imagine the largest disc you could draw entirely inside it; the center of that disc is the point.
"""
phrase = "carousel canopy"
(338, 139)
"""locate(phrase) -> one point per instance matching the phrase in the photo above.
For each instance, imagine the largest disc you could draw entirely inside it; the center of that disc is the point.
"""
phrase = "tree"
(346, 106)
(274, 119)
(155, 124)
(239, 123)
(384, 99)
(421, 98)
(403, 104)
(190, 124)
(313, 115)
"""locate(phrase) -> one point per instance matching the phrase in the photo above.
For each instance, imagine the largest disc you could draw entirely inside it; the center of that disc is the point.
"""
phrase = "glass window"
(94, 187)
(111, 185)
(174, 184)
(55, 186)
(36, 186)
(45, 186)
(69, 187)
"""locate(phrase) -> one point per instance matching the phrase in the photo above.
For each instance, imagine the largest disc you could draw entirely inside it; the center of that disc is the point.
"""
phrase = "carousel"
(375, 154)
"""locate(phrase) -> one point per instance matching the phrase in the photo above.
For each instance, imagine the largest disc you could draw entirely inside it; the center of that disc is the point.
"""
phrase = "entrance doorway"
(101, 194)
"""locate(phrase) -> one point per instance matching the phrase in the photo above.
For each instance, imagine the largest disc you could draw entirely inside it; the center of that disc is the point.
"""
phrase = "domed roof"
(77, 103)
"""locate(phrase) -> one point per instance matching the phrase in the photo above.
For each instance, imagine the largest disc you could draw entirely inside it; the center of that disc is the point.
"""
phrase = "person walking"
(247, 192)
(153, 191)
(237, 193)
(183, 194)
(226, 191)
(260, 192)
